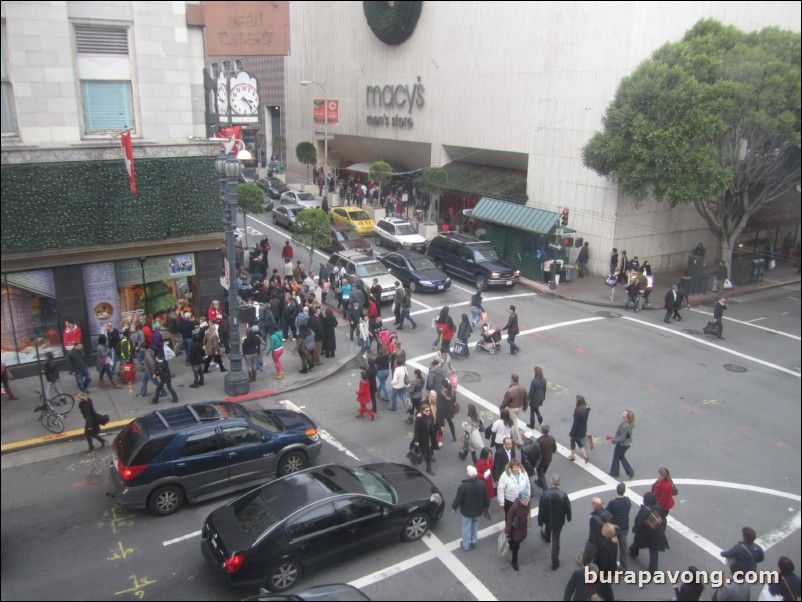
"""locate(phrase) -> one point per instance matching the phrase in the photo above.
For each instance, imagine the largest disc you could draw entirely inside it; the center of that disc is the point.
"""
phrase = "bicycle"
(52, 410)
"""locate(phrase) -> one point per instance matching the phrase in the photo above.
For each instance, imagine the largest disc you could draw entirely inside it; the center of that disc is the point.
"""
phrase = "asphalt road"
(723, 416)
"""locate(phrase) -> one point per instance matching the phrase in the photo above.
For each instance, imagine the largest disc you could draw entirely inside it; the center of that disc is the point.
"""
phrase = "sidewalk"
(19, 428)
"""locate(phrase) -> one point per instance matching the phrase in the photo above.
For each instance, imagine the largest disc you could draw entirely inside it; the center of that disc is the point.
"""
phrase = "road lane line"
(749, 323)
(393, 569)
(715, 346)
(459, 570)
(170, 542)
(774, 537)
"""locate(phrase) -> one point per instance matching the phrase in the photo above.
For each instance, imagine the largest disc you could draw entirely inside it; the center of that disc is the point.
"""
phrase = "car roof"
(395, 220)
(463, 238)
(178, 418)
(293, 206)
(408, 253)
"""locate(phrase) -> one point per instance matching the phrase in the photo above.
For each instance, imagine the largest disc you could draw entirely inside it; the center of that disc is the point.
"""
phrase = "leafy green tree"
(433, 181)
(312, 230)
(250, 199)
(381, 173)
(712, 121)
(306, 153)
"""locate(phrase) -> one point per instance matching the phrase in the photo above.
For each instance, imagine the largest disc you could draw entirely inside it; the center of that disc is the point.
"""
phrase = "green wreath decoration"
(393, 25)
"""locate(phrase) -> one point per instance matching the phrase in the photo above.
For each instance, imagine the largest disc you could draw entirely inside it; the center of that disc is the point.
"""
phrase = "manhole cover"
(468, 377)
(608, 314)
(734, 368)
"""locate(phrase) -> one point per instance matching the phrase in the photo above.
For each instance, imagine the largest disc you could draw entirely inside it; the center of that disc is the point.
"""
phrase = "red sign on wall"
(321, 118)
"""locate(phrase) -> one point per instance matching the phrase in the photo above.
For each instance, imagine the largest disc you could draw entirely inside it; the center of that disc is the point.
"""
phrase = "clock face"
(222, 99)
(244, 99)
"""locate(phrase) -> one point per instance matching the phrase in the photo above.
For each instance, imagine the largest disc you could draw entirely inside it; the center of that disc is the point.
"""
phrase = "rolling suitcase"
(713, 328)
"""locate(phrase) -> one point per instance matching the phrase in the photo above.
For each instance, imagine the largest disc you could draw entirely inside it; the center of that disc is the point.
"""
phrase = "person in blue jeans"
(470, 500)
(149, 363)
(399, 386)
(76, 360)
(622, 442)
(383, 371)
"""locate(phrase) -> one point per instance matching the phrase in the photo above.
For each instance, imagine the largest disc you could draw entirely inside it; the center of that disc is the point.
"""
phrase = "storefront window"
(29, 317)
(150, 286)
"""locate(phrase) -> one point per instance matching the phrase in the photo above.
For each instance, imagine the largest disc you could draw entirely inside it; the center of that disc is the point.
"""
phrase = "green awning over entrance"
(517, 216)
(487, 180)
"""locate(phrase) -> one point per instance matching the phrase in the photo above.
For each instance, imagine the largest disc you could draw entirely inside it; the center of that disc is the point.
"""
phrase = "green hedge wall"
(61, 205)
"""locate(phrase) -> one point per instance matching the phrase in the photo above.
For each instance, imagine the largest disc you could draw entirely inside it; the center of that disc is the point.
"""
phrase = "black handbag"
(415, 457)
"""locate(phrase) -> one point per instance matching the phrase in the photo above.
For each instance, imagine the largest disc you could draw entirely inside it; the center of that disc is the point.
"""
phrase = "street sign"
(554, 245)
(324, 136)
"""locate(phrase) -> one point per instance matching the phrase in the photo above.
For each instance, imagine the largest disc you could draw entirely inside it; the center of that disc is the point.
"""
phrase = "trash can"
(758, 267)
(569, 273)
(741, 271)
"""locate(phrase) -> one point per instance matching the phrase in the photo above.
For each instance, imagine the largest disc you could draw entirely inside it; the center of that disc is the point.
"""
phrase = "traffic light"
(568, 241)
(578, 242)
(564, 217)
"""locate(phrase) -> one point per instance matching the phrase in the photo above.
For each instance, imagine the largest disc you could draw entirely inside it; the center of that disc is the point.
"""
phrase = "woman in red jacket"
(663, 490)
(363, 397)
(484, 466)
(215, 312)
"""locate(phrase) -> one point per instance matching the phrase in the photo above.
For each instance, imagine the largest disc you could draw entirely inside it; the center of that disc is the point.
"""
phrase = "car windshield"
(372, 268)
(405, 229)
(358, 216)
(264, 419)
(305, 196)
(422, 263)
(485, 254)
(294, 212)
(374, 483)
(348, 235)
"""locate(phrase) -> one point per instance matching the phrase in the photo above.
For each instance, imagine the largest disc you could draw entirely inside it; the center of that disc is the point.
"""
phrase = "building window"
(9, 115)
(105, 73)
(107, 105)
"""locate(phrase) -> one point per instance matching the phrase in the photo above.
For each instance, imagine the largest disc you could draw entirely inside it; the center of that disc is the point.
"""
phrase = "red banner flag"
(128, 154)
(232, 133)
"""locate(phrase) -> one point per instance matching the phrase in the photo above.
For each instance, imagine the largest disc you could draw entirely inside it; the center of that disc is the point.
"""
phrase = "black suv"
(195, 452)
(473, 259)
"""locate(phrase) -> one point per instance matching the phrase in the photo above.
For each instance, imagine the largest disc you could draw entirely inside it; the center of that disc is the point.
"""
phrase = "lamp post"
(306, 82)
(228, 169)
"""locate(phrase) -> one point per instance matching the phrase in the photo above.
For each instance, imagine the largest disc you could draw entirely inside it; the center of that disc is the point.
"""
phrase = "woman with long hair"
(622, 442)
(579, 428)
(474, 430)
(502, 428)
(484, 469)
(424, 435)
(537, 395)
(663, 490)
(439, 324)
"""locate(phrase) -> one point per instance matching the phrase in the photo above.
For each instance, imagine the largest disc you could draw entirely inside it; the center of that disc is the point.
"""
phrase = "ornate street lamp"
(228, 168)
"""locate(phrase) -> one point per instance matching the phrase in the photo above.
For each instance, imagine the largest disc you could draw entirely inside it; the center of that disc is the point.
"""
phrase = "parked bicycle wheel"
(62, 404)
(53, 423)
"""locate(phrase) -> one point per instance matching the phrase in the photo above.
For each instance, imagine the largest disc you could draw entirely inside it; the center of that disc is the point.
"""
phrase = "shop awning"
(517, 216)
(487, 180)
(358, 167)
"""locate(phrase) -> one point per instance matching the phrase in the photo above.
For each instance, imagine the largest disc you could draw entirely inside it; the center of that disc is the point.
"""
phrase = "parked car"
(272, 186)
(195, 452)
(398, 233)
(284, 215)
(268, 203)
(416, 271)
(354, 217)
(343, 238)
(273, 534)
(365, 267)
(473, 259)
(307, 200)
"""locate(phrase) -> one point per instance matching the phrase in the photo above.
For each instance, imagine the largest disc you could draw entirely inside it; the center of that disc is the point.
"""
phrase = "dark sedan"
(272, 186)
(314, 518)
(344, 238)
(284, 215)
(416, 271)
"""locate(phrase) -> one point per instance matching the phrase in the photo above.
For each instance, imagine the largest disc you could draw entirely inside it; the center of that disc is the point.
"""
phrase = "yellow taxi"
(354, 217)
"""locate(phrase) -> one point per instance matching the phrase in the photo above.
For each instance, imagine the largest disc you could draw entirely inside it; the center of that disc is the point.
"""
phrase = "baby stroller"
(387, 337)
(490, 338)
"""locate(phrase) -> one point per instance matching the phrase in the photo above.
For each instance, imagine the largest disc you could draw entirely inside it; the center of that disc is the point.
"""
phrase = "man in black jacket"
(503, 456)
(598, 517)
(531, 455)
(554, 510)
(470, 500)
(512, 330)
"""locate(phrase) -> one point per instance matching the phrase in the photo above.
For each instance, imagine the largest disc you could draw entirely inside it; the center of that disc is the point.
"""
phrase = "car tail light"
(129, 472)
(234, 564)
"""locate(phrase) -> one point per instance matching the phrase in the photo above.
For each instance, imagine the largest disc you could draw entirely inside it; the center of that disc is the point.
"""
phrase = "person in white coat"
(399, 385)
(511, 483)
